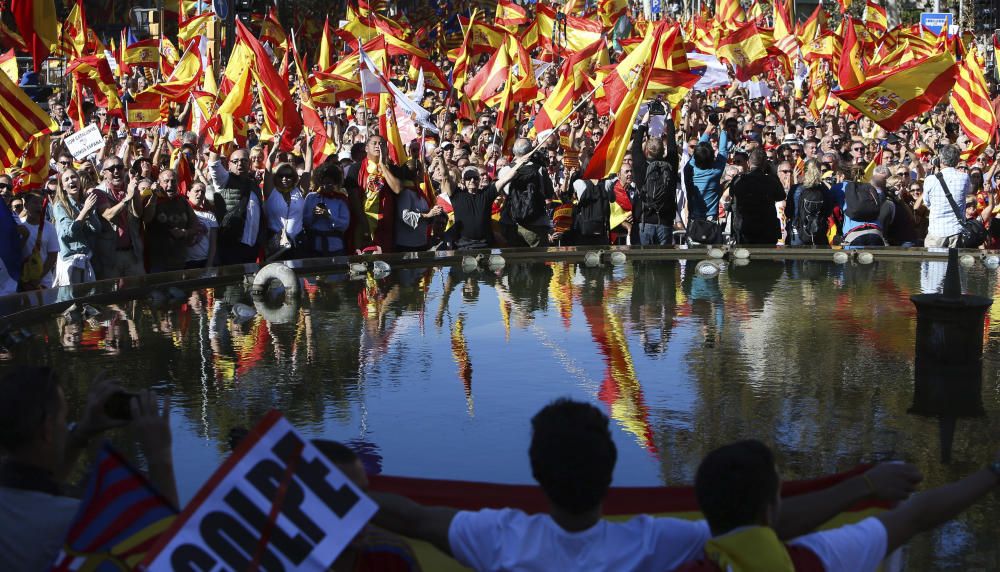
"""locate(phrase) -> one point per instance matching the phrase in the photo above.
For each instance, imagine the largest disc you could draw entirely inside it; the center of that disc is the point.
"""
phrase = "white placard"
(229, 525)
(85, 142)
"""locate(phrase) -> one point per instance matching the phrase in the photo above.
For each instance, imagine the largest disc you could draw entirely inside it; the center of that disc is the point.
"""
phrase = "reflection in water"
(812, 357)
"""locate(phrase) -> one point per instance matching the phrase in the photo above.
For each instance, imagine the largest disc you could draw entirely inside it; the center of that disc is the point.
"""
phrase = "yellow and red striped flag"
(273, 33)
(819, 88)
(844, 5)
(484, 86)
(892, 98)
(94, 73)
(73, 36)
(325, 58)
(144, 53)
(849, 72)
(185, 77)
(784, 32)
(35, 164)
(745, 50)
(729, 14)
(193, 27)
(37, 22)
(20, 120)
(971, 101)
(610, 10)
(579, 32)
(876, 19)
(570, 86)
(813, 26)
(509, 16)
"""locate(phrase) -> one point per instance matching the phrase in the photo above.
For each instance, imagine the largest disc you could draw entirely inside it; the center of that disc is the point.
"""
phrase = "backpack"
(592, 213)
(810, 216)
(525, 199)
(658, 195)
(862, 202)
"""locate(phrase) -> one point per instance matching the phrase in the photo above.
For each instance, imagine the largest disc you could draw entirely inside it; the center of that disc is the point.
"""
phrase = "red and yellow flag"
(193, 27)
(579, 32)
(279, 107)
(971, 101)
(144, 110)
(876, 19)
(8, 65)
(849, 72)
(819, 87)
(509, 16)
(784, 31)
(484, 87)
(273, 33)
(745, 50)
(890, 99)
(34, 169)
(20, 120)
(37, 22)
(610, 10)
(144, 53)
(571, 85)
(185, 77)
(93, 72)
(729, 14)
(73, 37)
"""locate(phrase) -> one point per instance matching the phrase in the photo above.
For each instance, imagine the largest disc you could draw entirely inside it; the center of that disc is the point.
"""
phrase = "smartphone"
(119, 406)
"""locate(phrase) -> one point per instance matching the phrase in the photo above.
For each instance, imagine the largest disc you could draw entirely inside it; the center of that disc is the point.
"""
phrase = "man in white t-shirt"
(48, 245)
(201, 252)
(738, 492)
(572, 458)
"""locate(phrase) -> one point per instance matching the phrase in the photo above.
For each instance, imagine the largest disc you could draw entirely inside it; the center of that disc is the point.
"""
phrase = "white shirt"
(282, 215)
(942, 221)
(50, 243)
(199, 250)
(858, 547)
(509, 539)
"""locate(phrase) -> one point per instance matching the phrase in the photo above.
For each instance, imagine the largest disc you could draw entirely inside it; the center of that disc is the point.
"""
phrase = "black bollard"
(948, 365)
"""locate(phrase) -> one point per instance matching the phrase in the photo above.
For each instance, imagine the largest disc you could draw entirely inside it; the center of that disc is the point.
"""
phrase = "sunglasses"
(65, 163)
(17, 206)
(114, 168)
(5, 186)
(243, 160)
(857, 148)
(471, 178)
(785, 171)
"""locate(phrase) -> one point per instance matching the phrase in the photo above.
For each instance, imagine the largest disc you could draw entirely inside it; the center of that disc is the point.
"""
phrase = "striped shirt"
(942, 219)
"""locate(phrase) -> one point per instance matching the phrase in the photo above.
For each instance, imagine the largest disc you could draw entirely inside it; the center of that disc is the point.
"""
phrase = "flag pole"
(562, 122)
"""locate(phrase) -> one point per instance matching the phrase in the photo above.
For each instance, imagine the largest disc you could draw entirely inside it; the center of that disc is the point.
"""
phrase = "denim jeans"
(655, 234)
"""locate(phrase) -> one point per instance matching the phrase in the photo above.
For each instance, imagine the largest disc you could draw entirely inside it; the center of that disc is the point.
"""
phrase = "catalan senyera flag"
(971, 101)
(119, 520)
(34, 168)
(876, 19)
(144, 53)
(892, 98)
(849, 72)
(744, 49)
(193, 27)
(580, 32)
(37, 22)
(729, 14)
(8, 65)
(144, 110)
(509, 16)
(73, 36)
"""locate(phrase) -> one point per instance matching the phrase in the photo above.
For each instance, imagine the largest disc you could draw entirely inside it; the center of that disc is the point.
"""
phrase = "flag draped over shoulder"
(20, 120)
(971, 101)
(120, 518)
(894, 97)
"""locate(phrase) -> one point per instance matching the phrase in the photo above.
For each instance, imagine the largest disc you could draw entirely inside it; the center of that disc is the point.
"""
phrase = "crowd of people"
(572, 456)
(733, 167)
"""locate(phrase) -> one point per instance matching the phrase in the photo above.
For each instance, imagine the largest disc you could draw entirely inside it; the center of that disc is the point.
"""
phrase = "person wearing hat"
(473, 205)
(284, 203)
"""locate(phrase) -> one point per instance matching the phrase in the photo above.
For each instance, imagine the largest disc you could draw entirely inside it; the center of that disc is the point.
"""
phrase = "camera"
(119, 406)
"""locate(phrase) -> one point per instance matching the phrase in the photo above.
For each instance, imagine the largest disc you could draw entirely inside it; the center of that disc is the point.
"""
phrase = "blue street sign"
(935, 22)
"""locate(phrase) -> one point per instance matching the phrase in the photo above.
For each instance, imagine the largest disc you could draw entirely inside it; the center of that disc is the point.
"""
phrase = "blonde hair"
(62, 197)
(813, 174)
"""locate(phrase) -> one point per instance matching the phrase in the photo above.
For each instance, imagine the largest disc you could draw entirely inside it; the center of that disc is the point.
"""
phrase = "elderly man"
(170, 224)
(119, 244)
(238, 206)
(940, 191)
(527, 192)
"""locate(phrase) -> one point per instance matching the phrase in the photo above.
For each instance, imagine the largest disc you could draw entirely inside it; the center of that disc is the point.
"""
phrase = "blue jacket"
(705, 202)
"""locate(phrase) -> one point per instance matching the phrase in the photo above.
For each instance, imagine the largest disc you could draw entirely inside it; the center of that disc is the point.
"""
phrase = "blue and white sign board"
(935, 22)
(654, 7)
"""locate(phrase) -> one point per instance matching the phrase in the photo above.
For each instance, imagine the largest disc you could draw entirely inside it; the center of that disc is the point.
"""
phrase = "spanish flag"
(892, 98)
(325, 58)
(610, 10)
(143, 110)
(570, 86)
(279, 107)
(971, 101)
(144, 53)
(580, 32)
(509, 16)
(193, 27)
(784, 31)
(849, 73)
(20, 120)
(483, 38)
(745, 50)
(73, 37)
(876, 19)
(273, 33)
(184, 78)
(37, 22)
(94, 73)
(819, 88)
(485, 86)
(228, 124)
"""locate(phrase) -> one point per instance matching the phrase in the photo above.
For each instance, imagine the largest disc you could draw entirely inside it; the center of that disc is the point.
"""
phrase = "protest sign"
(85, 142)
(276, 504)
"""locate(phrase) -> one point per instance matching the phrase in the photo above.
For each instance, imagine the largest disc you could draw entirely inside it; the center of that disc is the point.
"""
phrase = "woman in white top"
(284, 205)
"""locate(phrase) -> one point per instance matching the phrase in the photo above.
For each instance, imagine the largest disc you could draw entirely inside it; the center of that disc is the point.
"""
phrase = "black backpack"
(658, 194)
(811, 213)
(524, 195)
(592, 212)
(862, 203)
